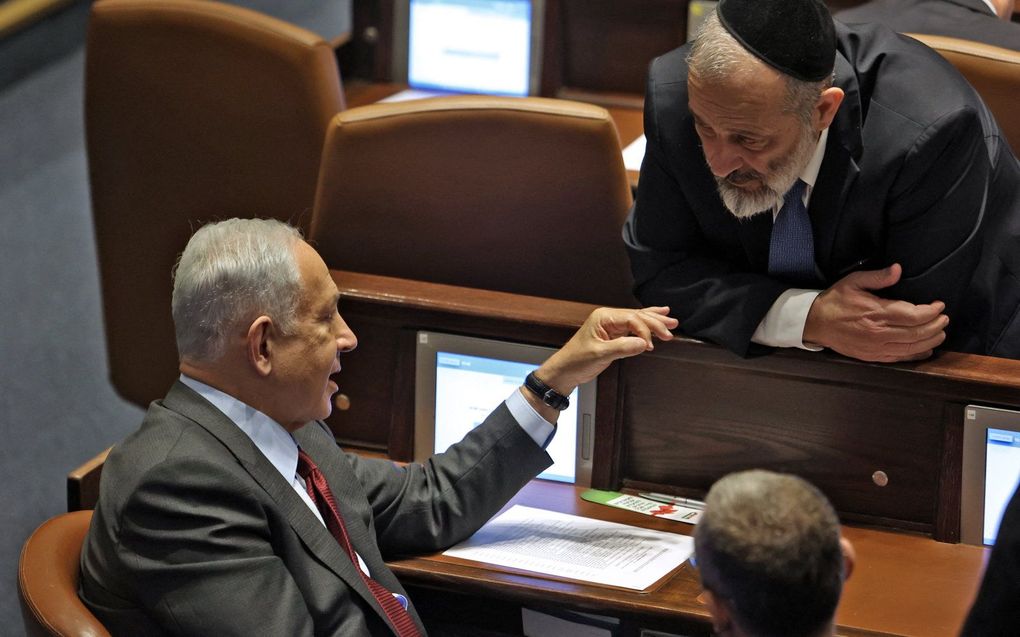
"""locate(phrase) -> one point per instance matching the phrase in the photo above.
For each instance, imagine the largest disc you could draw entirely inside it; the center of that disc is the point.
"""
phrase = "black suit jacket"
(967, 19)
(911, 174)
(197, 533)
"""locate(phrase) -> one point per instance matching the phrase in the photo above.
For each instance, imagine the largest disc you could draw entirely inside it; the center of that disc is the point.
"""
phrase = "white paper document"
(634, 153)
(577, 548)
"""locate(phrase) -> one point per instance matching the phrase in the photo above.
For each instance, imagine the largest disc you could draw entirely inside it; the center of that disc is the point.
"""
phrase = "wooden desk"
(883, 442)
(903, 584)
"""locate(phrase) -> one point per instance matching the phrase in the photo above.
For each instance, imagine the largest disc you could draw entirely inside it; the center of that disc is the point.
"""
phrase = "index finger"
(906, 314)
(647, 322)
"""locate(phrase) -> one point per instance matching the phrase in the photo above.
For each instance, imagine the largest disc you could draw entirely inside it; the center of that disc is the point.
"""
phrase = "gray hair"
(716, 55)
(230, 272)
(769, 545)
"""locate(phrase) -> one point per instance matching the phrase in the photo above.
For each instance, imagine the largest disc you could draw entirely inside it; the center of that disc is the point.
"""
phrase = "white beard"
(781, 177)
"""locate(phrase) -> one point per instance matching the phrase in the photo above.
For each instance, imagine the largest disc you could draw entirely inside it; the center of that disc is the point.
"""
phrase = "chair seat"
(48, 575)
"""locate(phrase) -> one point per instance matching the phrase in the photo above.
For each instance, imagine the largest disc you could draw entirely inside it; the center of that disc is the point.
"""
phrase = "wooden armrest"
(83, 483)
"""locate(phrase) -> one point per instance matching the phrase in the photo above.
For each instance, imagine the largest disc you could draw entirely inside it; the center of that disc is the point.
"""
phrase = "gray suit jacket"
(196, 533)
(967, 19)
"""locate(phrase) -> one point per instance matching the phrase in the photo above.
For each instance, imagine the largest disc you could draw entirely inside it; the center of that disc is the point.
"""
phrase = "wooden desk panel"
(685, 415)
(835, 433)
(903, 585)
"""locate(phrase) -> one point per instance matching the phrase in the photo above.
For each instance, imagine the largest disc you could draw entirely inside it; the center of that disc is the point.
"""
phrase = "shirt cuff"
(783, 326)
(540, 429)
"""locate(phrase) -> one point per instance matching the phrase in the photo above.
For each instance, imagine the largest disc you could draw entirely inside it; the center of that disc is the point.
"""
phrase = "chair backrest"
(48, 574)
(195, 111)
(83, 482)
(523, 195)
(993, 71)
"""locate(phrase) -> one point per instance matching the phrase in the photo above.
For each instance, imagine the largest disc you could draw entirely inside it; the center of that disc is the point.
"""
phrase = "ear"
(260, 345)
(826, 107)
(849, 557)
(720, 613)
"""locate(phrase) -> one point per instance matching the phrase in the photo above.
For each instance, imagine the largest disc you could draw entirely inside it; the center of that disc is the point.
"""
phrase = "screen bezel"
(429, 343)
(402, 34)
(978, 419)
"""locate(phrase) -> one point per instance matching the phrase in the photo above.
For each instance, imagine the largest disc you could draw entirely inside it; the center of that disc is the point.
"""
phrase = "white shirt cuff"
(540, 429)
(783, 326)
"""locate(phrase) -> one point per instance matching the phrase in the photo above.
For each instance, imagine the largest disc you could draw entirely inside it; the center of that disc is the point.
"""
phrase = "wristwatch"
(545, 393)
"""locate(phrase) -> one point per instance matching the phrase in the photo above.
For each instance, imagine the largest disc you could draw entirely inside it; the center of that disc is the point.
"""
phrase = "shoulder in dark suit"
(966, 19)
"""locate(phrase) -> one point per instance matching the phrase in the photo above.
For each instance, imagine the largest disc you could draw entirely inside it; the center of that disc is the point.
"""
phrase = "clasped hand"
(848, 318)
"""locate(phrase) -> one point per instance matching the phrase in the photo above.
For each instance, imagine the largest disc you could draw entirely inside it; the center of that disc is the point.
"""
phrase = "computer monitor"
(459, 380)
(991, 470)
(467, 46)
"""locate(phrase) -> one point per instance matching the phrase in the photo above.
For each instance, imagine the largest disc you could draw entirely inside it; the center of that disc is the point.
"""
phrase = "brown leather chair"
(195, 111)
(993, 71)
(48, 574)
(517, 195)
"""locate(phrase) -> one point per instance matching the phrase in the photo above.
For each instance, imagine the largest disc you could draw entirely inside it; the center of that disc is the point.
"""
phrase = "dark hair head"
(768, 545)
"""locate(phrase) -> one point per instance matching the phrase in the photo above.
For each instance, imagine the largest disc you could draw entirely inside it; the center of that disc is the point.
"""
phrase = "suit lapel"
(322, 448)
(316, 537)
(839, 168)
(346, 489)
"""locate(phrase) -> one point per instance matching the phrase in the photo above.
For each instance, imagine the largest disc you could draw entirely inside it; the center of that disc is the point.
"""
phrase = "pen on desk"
(690, 503)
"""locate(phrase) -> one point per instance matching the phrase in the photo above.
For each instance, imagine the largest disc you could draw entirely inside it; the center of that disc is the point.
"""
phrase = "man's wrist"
(545, 393)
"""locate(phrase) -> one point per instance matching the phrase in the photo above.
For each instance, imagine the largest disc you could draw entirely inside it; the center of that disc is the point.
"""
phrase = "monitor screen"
(470, 46)
(991, 470)
(459, 380)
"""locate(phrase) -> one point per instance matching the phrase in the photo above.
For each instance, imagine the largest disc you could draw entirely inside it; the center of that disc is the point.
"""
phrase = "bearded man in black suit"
(816, 185)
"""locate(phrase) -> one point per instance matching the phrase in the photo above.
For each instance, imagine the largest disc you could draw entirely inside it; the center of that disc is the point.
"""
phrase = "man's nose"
(723, 158)
(346, 341)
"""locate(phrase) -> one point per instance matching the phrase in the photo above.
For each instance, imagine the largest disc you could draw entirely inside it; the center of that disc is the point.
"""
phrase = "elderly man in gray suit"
(232, 511)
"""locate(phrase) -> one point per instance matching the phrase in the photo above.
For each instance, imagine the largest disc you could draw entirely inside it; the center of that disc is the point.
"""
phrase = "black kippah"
(796, 37)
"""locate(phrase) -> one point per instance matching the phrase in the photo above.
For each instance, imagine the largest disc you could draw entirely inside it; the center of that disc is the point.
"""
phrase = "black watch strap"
(545, 393)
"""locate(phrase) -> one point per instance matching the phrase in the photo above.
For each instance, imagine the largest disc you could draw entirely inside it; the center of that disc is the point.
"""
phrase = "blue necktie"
(792, 246)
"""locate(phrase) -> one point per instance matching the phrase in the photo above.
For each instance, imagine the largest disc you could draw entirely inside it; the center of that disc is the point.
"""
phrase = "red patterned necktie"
(318, 490)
